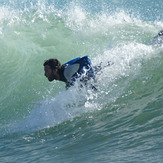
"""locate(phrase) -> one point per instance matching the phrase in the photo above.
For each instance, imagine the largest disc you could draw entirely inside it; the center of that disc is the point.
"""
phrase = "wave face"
(41, 121)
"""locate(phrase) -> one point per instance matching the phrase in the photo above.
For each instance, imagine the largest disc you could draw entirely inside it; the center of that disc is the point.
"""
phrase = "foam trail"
(127, 60)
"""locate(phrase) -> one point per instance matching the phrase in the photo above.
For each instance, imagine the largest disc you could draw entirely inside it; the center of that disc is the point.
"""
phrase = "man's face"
(51, 74)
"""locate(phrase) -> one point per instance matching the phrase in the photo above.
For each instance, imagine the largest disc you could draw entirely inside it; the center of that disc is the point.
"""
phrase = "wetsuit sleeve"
(70, 71)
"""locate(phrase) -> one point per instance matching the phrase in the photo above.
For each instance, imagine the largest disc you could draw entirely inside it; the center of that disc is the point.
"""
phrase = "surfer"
(79, 68)
(158, 40)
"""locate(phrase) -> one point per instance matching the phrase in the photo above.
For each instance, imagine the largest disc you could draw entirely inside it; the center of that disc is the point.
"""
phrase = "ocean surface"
(121, 122)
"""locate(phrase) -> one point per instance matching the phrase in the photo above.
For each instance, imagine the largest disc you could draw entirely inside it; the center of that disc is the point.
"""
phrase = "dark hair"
(53, 63)
(160, 33)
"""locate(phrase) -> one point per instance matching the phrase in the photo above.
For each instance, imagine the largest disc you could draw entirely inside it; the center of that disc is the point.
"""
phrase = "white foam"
(68, 104)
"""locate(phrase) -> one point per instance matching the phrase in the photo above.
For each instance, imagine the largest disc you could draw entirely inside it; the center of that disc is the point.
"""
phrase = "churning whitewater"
(42, 121)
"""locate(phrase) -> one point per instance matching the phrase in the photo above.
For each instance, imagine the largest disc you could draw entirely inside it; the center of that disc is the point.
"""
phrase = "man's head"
(51, 68)
(160, 33)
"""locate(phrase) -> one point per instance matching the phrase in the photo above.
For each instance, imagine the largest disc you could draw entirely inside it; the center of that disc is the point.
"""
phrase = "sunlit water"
(120, 122)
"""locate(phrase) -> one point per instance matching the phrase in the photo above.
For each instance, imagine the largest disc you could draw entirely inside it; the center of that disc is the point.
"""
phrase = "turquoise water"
(41, 121)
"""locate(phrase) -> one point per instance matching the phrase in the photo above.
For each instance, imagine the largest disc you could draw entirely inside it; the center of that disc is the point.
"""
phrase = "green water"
(42, 122)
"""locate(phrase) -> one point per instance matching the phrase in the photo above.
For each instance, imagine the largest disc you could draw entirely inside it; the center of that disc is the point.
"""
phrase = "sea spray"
(41, 121)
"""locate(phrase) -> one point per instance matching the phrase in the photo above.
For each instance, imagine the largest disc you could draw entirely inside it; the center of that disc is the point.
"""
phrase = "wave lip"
(122, 116)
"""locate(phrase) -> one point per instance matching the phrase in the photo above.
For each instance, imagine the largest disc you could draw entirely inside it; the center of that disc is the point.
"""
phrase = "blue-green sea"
(41, 121)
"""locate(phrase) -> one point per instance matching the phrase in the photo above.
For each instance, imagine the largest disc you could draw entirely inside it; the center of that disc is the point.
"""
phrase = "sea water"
(120, 122)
